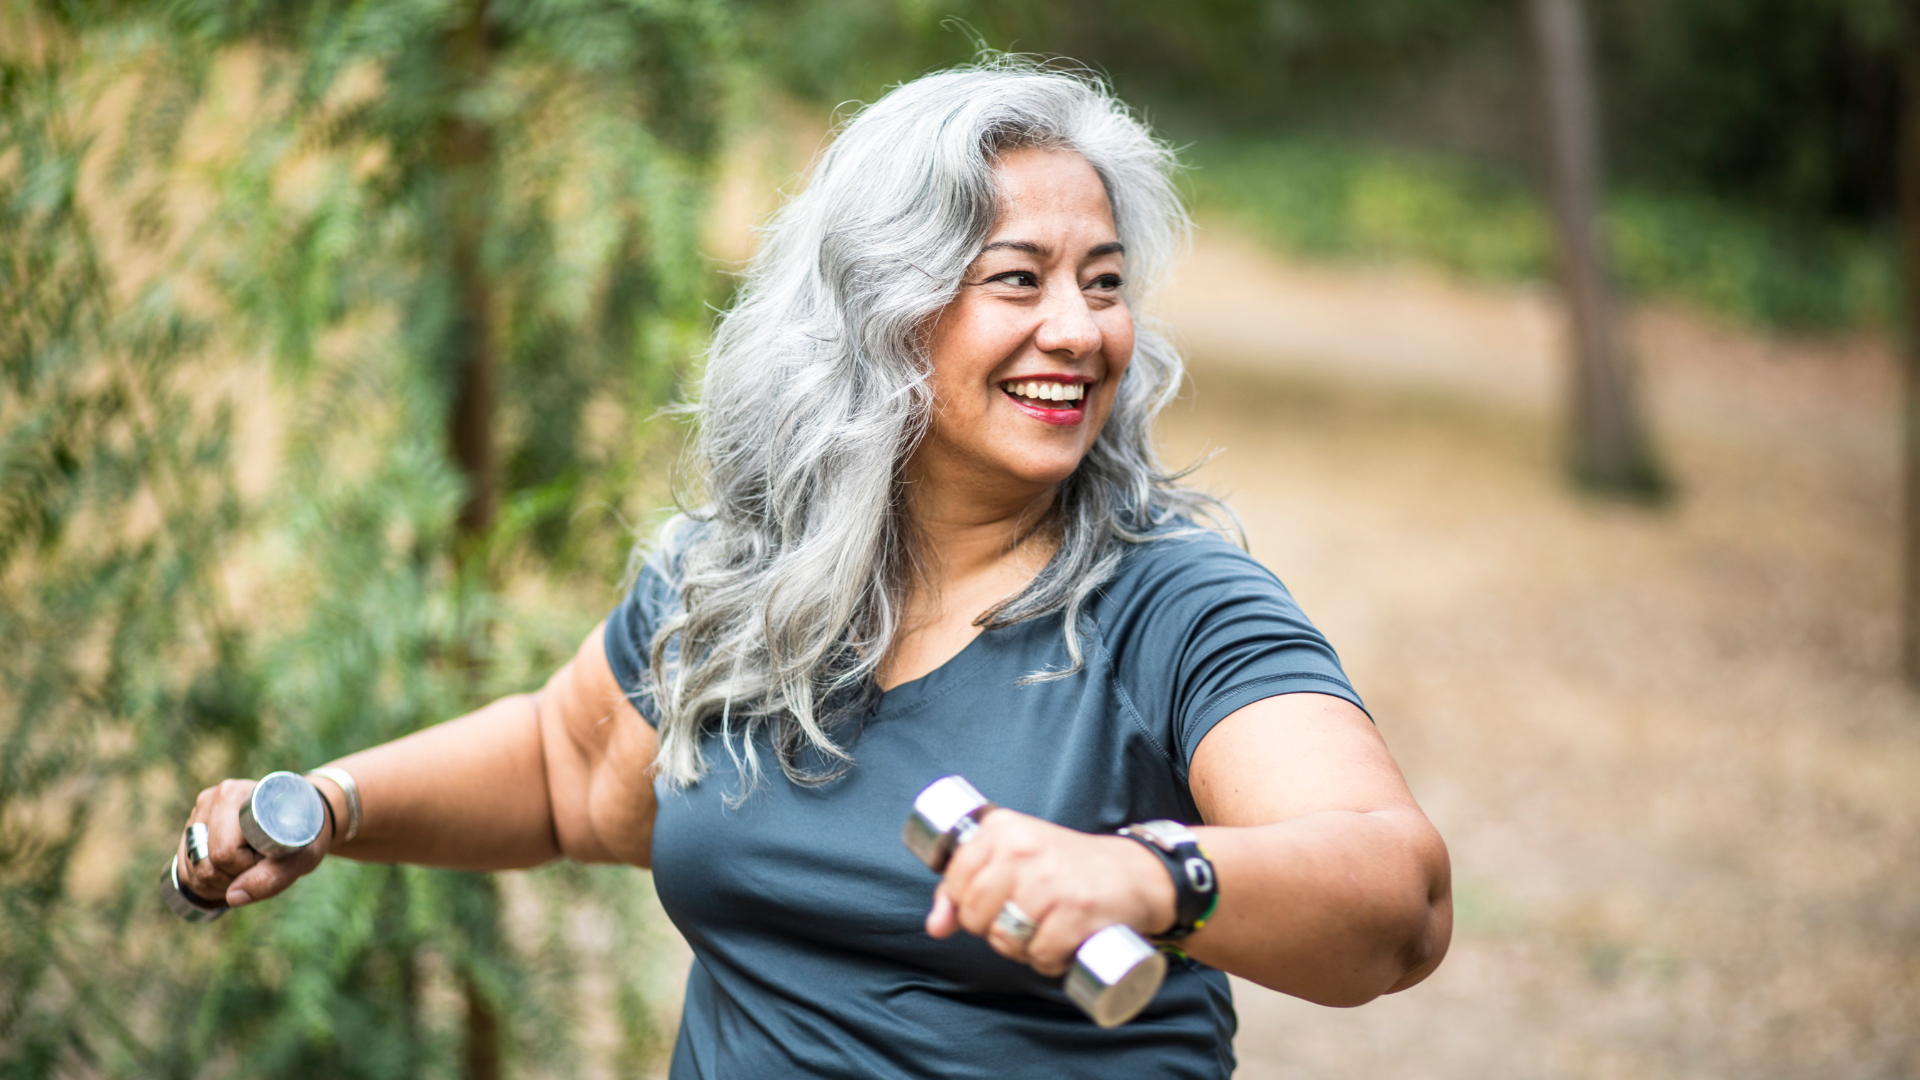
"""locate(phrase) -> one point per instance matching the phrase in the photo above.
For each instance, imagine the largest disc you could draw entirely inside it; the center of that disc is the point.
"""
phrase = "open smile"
(1051, 401)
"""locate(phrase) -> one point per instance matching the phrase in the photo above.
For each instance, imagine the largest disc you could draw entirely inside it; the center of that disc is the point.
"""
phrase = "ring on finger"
(196, 843)
(1015, 922)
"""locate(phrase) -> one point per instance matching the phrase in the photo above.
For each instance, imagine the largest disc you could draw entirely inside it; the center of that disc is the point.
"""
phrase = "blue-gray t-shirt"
(806, 912)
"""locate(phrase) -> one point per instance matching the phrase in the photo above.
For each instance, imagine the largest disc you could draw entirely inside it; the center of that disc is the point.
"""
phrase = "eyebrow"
(1040, 251)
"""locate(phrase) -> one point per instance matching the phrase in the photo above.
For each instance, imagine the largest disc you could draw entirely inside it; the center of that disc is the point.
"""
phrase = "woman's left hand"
(1070, 883)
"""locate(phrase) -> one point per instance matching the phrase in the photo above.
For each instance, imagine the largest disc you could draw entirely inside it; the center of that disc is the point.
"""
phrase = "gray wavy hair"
(792, 572)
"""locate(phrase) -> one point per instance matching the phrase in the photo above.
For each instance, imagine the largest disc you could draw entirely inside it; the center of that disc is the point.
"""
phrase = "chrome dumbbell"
(1115, 972)
(284, 814)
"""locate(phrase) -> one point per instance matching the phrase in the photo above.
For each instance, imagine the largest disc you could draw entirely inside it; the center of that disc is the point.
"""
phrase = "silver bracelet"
(352, 790)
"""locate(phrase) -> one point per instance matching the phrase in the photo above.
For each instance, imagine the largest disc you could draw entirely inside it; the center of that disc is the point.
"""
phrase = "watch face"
(1166, 835)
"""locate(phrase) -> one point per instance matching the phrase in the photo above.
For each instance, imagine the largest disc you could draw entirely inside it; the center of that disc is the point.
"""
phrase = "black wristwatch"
(1195, 888)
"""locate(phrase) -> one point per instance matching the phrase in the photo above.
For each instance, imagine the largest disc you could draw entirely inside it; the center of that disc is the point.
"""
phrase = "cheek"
(1117, 337)
(1119, 349)
(961, 363)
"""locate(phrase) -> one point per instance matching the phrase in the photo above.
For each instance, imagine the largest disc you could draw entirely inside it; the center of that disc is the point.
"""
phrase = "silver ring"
(196, 843)
(1015, 922)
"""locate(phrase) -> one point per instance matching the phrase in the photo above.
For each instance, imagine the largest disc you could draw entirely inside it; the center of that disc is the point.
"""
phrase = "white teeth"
(1048, 390)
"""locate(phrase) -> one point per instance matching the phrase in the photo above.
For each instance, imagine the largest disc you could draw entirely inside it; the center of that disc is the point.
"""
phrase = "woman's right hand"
(232, 869)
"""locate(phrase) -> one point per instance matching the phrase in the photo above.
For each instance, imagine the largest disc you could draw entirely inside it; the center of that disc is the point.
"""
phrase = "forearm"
(469, 794)
(1336, 907)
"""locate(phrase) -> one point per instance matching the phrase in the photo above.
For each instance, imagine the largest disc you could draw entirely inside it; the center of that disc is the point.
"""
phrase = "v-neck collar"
(915, 694)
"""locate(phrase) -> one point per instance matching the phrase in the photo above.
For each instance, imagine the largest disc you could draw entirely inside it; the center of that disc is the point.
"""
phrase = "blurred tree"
(404, 206)
(1610, 447)
(1783, 104)
(1909, 188)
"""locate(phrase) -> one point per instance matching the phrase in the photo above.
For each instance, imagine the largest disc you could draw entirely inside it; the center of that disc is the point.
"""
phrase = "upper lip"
(1049, 378)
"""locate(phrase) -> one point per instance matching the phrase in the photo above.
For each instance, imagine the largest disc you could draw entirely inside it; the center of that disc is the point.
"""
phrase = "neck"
(966, 530)
(978, 544)
(961, 539)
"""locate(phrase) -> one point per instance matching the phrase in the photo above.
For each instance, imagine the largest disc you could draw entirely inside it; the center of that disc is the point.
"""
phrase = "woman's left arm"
(1334, 887)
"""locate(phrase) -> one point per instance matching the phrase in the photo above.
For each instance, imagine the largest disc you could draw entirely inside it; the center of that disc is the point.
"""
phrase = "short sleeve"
(629, 637)
(1199, 630)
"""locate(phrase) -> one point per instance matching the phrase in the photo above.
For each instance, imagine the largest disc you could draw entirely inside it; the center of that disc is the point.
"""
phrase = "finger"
(271, 877)
(1002, 936)
(966, 861)
(189, 875)
(200, 876)
(227, 848)
(985, 893)
(943, 920)
(1050, 950)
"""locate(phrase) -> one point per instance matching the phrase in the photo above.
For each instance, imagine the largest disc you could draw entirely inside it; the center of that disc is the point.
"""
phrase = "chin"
(1045, 470)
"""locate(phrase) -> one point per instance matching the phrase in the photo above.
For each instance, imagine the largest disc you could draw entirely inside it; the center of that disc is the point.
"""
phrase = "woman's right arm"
(531, 777)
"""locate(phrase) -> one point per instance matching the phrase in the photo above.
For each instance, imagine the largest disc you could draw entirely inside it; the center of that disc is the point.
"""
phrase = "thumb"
(271, 877)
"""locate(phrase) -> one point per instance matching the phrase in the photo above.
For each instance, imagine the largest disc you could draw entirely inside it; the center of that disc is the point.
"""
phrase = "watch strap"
(1196, 888)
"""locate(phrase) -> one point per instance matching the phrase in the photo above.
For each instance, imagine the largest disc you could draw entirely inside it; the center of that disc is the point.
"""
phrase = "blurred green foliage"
(1751, 140)
(1339, 199)
(235, 304)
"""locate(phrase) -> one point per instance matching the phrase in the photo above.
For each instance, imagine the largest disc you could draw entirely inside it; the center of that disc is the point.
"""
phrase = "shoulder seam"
(1208, 705)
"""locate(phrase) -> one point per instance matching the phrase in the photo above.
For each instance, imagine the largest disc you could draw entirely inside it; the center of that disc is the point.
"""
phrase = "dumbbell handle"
(283, 816)
(1115, 972)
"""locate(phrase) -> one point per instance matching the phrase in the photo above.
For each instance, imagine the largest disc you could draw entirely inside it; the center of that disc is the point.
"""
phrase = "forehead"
(1054, 191)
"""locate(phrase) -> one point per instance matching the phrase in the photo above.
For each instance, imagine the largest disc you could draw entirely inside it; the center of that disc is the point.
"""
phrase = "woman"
(937, 541)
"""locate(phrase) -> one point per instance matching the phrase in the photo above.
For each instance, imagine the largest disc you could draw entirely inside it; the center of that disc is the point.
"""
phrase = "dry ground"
(1666, 746)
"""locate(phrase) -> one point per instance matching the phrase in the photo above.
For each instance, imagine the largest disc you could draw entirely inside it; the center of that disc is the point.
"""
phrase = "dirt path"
(1666, 747)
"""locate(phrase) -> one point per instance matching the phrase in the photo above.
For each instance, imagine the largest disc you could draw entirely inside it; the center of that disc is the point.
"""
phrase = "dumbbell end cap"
(284, 814)
(1115, 973)
(939, 812)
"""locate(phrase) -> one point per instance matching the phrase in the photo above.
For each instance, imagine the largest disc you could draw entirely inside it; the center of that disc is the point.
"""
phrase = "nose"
(1067, 328)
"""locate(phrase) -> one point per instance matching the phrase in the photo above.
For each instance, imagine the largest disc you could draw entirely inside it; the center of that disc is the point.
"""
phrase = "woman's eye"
(1025, 279)
(1105, 281)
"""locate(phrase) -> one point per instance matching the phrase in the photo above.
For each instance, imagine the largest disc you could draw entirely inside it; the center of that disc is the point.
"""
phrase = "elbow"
(1404, 953)
(1411, 942)
(1428, 930)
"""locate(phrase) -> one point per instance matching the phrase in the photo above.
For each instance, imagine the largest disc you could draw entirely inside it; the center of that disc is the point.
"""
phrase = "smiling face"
(1028, 356)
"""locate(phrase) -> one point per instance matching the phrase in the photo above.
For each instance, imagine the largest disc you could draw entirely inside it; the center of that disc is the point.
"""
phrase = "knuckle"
(231, 861)
(207, 882)
(1047, 961)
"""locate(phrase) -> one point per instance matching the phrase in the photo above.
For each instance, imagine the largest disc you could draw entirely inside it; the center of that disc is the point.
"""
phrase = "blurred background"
(1549, 350)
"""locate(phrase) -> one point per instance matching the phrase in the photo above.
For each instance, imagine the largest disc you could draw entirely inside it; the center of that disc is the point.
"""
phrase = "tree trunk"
(1610, 448)
(467, 153)
(483, 1034)
(1909, 195)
